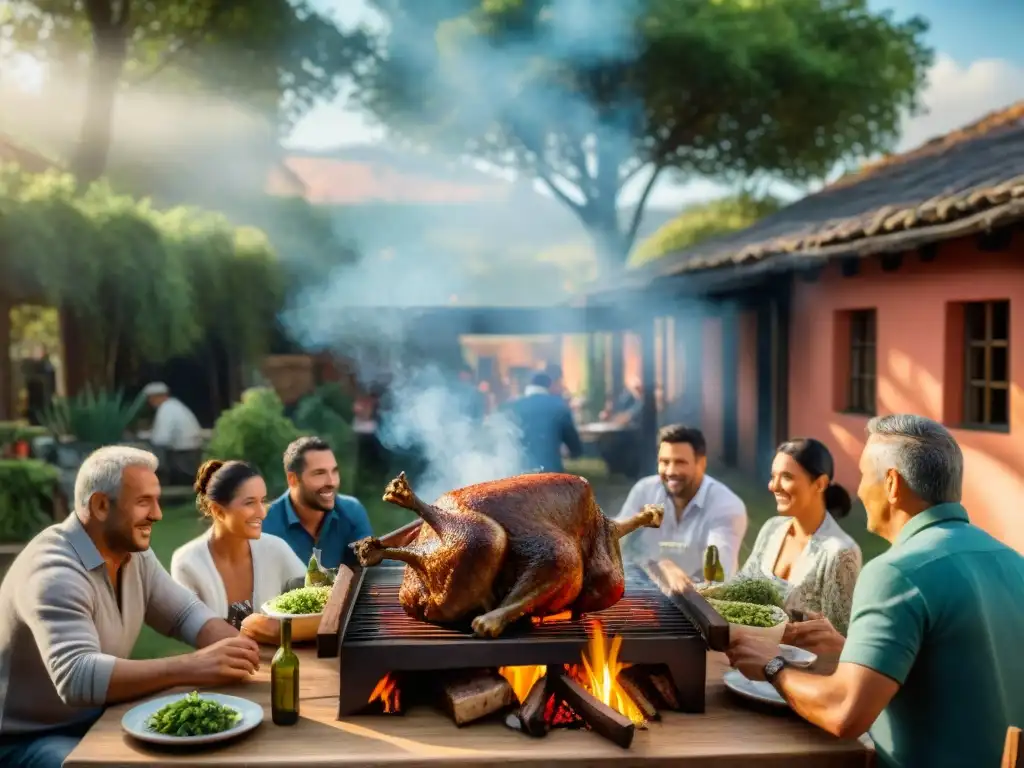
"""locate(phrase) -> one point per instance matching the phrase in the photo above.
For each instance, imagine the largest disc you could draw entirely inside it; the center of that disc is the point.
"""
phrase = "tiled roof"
(965, 181)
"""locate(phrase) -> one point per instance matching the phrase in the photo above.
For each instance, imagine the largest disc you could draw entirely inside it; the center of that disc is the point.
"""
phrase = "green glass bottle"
(713, 570)
(315, 577)
(284, 680)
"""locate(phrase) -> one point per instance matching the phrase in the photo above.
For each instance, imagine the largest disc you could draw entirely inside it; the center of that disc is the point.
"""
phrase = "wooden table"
(728, 735)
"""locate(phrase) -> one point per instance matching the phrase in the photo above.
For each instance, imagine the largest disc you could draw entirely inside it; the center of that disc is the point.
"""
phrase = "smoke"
(369, 312)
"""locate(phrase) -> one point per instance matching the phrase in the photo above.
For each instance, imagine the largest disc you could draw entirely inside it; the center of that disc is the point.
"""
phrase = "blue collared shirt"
(346, 523)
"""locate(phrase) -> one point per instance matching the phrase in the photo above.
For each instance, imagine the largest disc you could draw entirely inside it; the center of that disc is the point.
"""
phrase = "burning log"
(634, 685)
(598, 715)
(664, 686)
(533, 713)
(469, 695)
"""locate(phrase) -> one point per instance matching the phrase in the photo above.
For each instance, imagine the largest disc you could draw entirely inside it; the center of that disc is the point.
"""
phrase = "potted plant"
(90, 419)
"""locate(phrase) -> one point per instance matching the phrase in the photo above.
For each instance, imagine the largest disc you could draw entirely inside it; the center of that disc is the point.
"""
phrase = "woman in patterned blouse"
(803, 550)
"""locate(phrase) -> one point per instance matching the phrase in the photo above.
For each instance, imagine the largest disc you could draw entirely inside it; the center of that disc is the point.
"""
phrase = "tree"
(702, 222)
(587, 96)
(279, 55)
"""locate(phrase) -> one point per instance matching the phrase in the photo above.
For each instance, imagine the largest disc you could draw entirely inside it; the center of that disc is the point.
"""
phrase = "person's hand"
(260, 628)
(226, 661)
(816, 635)
(750, 654)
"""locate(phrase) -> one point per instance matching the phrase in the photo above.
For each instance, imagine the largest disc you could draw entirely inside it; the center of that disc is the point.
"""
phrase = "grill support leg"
(689, 670)
(357, 682)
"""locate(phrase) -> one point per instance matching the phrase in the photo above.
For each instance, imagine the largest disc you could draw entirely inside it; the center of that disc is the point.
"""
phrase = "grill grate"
(643, 612)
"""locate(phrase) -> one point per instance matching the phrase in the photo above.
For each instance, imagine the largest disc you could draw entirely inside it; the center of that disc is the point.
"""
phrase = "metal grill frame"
(363, 662)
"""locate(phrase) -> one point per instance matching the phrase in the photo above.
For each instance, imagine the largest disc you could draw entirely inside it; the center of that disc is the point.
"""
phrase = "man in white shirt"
(175, 427)
(699, 510)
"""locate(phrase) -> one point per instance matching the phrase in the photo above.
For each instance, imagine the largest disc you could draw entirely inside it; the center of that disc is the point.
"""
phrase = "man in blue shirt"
(312, 513)
(546, 424)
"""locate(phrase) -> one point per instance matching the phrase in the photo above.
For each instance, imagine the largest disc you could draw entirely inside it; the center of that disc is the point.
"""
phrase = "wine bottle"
(713, 570)
(284, 680)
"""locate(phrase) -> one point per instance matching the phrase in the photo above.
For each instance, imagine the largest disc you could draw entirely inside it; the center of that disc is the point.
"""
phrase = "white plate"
(135, 719)
(760, 691)
(797, 657)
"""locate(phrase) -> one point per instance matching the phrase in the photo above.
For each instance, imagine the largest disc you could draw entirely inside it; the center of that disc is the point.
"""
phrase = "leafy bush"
(323, 413)
(255, 430)
(96, 418)
(27, 488)
(13, 431)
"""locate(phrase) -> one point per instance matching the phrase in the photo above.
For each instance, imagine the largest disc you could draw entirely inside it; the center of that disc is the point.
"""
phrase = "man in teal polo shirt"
(932, 662)
(312, 513)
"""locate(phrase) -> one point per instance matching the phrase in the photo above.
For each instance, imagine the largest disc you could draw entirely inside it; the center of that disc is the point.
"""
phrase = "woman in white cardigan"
(233, 562)
(804, 550)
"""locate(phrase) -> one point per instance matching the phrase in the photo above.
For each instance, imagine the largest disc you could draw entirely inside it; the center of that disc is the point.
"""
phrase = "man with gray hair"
(932, 662)
(72, 605)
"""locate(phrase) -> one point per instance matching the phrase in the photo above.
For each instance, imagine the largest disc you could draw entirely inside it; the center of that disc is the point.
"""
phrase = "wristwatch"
(773, 667)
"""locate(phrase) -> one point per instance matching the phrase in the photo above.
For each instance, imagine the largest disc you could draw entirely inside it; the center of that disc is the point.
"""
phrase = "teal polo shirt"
(942, 614)
(346, 523)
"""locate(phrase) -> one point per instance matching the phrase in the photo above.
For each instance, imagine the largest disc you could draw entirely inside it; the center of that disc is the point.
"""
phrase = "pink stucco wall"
(917, 350)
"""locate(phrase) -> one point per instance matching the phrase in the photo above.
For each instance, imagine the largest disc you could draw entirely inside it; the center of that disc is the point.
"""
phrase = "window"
(987, 364)
(860, 393)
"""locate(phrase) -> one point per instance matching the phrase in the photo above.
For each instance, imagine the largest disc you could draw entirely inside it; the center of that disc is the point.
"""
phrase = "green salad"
(193, 715)
(748, 614)
(745, 590)
(304, 600)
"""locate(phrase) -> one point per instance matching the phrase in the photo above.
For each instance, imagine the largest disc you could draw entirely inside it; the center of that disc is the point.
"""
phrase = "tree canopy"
(590, 96)
(146, 285)
(702, 222)
(279, 56)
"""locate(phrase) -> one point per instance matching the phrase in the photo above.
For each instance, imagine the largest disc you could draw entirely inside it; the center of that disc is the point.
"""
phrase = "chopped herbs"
(193, 715)
(748, 614)
(304, 600)
(756, 591)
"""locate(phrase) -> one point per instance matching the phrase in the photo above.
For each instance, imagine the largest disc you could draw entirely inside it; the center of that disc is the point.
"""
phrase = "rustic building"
(899, 288)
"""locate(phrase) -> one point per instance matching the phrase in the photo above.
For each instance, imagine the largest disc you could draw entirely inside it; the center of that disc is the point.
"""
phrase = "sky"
(979, 66)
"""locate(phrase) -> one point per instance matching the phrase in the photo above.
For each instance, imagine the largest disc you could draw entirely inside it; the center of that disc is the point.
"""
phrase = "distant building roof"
(360, 175)
(966, 181)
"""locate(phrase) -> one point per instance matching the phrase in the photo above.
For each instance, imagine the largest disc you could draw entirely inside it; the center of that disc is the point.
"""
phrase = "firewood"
(614, 726)
(635, 691)
(468, 695)
(533, 710)
(661, 680)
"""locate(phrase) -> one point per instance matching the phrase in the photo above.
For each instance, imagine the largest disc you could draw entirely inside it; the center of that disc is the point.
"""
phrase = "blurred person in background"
(546, 424)
(700, 511)
(176, 437)
(627, 407)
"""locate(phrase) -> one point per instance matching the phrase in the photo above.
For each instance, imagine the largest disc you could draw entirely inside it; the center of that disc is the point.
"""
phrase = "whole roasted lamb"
(531, 545)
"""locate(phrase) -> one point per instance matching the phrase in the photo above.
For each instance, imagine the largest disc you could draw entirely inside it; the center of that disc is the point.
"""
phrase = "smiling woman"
(234, 566)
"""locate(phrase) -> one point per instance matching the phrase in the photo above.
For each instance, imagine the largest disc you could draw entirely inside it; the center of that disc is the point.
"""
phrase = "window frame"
(862, 346)
(987, 384)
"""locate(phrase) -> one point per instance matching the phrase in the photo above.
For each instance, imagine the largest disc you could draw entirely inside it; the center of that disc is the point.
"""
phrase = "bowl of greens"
(303, 606)
(751, 606)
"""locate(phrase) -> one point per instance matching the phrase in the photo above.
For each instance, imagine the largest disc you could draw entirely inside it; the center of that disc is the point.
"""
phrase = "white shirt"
(715, 515)
(176, 427)
(273, 565)
(823, 576)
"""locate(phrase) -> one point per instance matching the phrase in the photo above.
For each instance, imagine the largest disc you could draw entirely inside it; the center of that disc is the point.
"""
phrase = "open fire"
(600, 692)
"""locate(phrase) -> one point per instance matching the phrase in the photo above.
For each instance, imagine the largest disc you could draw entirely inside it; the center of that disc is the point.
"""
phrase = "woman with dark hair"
(234, 568)
(804, 550)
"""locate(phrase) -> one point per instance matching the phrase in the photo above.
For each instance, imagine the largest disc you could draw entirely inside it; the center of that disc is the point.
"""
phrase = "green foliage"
(14, 431)
(279, 56)
(327, 413)
(27, 487)
(255, 430)
(703, 222)
(585, 102)
(144, 283)
(91, 417)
